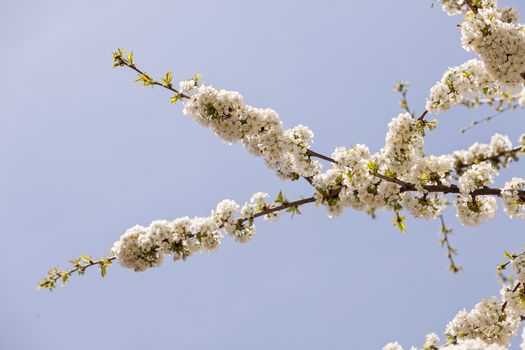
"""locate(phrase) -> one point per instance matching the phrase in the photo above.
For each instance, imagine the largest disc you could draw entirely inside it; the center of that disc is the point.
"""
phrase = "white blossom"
(260, 130)
(486, 322)
(513, 205)
(225, 214)
(467, 81)
(393, 346)
(475, 211)
(499, 44)
(426, 206)
(477, 176)
(518, 265)
(514, 298)
(431, 341)
(431, 170)
(187, 85)
(403, 144)
(143, 247)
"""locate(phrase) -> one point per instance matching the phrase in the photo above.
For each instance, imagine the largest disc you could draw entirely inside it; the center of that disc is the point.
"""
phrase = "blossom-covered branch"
(143, 247)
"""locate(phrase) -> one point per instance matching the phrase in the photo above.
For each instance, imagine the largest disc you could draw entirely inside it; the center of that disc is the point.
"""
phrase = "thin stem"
(486, 119)
(124, 62)
(319, 155)
(422, 116)
(55, 274)
(286, 205)
(504, 266)
(451, 251)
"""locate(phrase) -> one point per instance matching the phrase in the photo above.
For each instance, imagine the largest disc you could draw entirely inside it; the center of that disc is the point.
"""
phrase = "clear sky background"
(85, 154)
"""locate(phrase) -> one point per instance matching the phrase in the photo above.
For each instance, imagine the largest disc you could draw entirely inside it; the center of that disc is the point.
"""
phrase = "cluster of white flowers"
(393, 346)
(453, 7)
(514, 297)
(500, 44)
(260, 130)
(513, 205)
(143, 247)
(403, 144)
(499, 145)
(474, 211)
(487, 322)
(457, 7)
(187, 85)
(425, 206)
(477, 176)
(360, 180)
(467, 81)
(492, 33)
(351, 183)
(468, 344)
(431, 170)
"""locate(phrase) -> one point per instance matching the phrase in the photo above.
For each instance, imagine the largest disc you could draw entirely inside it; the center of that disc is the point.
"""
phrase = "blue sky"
(86, 154)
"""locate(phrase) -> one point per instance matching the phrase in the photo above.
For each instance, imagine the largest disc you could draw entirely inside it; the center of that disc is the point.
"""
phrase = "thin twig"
(451, 251)
(319, 155)
(422, 116)
(124, 62)
(486, 119)
(54, 275)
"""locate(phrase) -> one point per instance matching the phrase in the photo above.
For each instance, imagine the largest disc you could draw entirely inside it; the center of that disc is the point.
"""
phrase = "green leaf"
(145, 79)
(373, 166)
(130, 57)
(294, 210)
(174, 98)
(85, 259)
(64, 277)
(399, 222)
(196, 77)
(167, 79)
(280, 198)
(455, 269)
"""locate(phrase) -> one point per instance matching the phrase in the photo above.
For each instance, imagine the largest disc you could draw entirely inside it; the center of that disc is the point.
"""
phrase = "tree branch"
(408, 187)
(81, 264)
